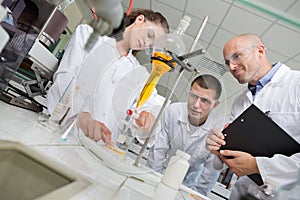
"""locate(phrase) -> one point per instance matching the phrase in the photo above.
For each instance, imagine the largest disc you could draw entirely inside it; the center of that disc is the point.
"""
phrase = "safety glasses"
(239, 56)
(193, 98)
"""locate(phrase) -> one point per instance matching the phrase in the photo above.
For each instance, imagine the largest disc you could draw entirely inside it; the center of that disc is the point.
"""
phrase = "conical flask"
(169, 42)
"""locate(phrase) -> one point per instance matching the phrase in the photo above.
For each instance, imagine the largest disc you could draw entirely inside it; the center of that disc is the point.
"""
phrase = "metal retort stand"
(184, 65)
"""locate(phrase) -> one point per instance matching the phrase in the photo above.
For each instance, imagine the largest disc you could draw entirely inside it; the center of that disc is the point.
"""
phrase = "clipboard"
(256, 133)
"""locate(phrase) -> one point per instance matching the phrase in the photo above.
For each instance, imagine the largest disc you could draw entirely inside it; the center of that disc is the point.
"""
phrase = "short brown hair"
(151, 16)
(208, 81)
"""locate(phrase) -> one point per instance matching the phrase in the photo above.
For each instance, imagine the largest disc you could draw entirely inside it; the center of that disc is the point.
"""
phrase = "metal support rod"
(138, 158)
(199, 33)
(203, 24)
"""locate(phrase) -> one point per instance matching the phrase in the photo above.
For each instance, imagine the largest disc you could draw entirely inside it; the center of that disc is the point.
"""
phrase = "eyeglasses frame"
(238, 60)
(213, 101)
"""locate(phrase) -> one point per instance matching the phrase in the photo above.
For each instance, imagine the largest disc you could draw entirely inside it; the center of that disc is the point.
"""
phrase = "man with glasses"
(185, 126)
(274, 89)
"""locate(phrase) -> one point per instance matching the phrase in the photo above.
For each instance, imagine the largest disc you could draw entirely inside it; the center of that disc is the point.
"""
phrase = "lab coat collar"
(113, 42)
(275, 80)
(280, 74)
(132, 58)
(110, 40)
(268, 77)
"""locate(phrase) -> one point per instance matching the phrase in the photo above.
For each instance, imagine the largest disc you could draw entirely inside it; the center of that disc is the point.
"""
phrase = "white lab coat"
(281, 96)
(69, 66)
(177, 134)
(110, 82)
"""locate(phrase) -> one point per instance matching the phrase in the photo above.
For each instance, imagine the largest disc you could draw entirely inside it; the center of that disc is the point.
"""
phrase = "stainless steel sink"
(27, 174)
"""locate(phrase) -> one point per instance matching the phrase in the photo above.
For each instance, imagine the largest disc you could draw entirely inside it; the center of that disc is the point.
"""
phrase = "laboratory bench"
(102, 173)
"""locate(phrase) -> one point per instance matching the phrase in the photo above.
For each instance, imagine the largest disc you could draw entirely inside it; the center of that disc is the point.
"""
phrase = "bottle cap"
(182, 154)
(184, 24)
(132, 113)
(129, 112)
(187, 19)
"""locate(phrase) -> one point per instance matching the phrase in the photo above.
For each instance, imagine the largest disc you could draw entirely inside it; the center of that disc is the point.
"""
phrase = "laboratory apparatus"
(26, 61)
(3, 34)
(109, 17)
(65, 130)
(162, 62)
(116, 159)
(170, 184)
(183, 65)
(160, 66)
(167, 53)
(57, 119)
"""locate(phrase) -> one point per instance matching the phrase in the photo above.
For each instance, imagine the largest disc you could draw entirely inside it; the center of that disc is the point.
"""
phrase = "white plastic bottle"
(173, 177)
(176, 170)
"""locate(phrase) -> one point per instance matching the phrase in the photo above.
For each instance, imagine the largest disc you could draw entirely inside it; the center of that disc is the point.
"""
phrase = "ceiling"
(227, 18)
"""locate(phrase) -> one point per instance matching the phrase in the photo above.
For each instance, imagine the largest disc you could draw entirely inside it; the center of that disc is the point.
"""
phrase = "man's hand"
(145, 121)
(214, 141)
(94, 129)
(241, 164)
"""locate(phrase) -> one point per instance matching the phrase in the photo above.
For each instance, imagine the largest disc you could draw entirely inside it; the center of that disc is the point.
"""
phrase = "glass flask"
(169, 42)
(161, 63)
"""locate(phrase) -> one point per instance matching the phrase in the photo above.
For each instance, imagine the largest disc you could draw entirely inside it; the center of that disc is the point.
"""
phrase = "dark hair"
(151, 16)
(208, 81)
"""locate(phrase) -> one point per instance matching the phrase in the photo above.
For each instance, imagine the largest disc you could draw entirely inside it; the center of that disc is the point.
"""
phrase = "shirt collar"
(264, 80)
(267, 78)
(184, 117)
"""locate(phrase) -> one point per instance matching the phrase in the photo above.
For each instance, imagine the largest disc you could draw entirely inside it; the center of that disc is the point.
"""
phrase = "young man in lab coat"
(274, 88)
(185, 126)
(99, 74)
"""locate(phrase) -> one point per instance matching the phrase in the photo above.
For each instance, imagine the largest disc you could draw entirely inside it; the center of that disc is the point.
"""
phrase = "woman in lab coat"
(99, 73)
(275, 89)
